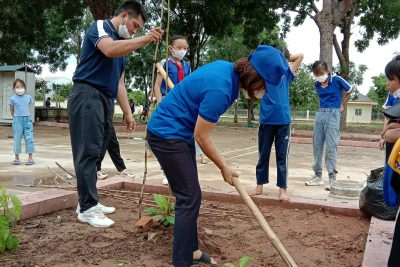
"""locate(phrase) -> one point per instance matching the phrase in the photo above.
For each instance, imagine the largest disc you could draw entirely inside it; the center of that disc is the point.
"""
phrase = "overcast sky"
(305, 39)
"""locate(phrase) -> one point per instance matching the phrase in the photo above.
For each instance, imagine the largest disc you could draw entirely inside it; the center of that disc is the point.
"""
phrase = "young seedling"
(242, 262)
(8, 215)
(165, 209)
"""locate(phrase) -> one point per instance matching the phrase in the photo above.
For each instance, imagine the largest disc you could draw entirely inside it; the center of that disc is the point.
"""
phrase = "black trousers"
(90, 123)
(114, 152)
(178, 160)
(268, 134)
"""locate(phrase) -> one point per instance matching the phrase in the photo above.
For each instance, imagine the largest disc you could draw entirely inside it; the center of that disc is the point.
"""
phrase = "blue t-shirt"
(208, 92)
(94, 67)
(331, 96)
(390, 101)
(275, 104)
(21, 104)
(173, 73)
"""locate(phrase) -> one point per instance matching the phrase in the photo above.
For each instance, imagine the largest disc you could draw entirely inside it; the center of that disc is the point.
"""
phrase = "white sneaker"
(104, 209)
(126, 173)
(315, 180)
(165, 180)
(95, 217)
(101, 175)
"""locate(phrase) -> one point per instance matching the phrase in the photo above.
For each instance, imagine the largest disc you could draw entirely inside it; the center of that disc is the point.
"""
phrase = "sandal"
(15, 162)
(204, 259)
(30, 162)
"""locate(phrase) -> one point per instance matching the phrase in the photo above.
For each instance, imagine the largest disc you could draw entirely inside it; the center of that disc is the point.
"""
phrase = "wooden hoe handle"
(164, 75)
(264, 224)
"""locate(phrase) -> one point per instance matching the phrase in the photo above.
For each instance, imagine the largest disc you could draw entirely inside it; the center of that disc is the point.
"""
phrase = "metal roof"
(10, 68)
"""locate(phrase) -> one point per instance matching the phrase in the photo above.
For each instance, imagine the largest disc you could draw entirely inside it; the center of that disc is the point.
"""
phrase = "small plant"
(8, 215)
(242, 262)
(165, 209)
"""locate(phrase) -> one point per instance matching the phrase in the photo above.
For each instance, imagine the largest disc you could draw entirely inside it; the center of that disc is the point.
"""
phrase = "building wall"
(366, 113)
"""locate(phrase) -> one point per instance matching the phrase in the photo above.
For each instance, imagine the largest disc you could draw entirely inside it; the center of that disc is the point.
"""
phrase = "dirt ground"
(226, 231)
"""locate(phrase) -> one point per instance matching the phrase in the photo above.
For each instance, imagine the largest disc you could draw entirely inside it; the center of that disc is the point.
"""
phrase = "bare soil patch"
(312, 237)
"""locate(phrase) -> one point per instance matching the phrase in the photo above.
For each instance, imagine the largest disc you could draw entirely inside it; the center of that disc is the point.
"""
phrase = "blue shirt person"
(99, 79)
(178, 68)
(22, 122)
(189, 112)
(275, 119)
(327, 121)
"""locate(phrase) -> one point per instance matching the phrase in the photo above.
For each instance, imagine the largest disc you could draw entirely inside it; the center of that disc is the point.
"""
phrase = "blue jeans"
(23, 126)
(326, 131)
(267, 134)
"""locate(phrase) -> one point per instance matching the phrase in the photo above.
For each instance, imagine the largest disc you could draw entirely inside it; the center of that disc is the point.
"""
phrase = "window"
(358, 112)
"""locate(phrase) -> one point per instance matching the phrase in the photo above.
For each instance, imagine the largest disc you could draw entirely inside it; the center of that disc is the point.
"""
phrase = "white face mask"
(257, 94)
(123, 31)
(20, 91)
(396, 93)
(321, 78)
(179, 54)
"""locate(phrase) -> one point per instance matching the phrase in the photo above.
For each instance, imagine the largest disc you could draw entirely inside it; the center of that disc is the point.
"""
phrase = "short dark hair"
(133, 8)
(19, 81)
(319, 64)
(176, 37)
(392, 69)
(249, 78)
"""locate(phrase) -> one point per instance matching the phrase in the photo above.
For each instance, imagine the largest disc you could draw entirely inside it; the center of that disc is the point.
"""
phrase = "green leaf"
(152, 211)
(16, 206)
(244, 260)
(2, 246)
(229, 265)
(4, 232)
(170, 219)
(162, 202)
(12, 242)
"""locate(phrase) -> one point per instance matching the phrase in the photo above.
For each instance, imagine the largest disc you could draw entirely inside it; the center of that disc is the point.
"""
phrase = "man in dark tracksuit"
(98, 79)
(115, 155)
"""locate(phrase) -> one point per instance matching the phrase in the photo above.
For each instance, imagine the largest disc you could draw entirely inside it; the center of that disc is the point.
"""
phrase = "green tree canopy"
(302, 91)
(378, 92)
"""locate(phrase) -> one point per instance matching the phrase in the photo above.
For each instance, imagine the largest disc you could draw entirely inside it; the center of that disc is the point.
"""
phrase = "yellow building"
(359, 109)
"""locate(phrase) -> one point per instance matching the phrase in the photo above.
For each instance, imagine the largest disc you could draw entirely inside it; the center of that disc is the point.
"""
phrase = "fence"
(300, 115)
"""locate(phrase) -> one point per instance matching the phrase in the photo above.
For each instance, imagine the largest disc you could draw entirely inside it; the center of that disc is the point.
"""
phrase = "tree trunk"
(102, 9)
(250, 113)
(324, 21)
(235, 116)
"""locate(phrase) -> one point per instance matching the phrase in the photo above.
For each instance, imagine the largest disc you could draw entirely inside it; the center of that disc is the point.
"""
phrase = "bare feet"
(257, 191)
(283, 195)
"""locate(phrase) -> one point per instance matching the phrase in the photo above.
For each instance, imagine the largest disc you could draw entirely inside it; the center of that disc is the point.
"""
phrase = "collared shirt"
(208, 92)
(331, 95)
(94, 67)
(21, 104)
(173, 73)
(390, 101)
(275, 104)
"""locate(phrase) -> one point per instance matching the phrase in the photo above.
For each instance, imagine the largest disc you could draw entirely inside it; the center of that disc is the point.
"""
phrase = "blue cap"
(270, 63)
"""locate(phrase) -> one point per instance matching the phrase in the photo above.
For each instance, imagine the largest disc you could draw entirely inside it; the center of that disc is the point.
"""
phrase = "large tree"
(375, 17)
(35, 32)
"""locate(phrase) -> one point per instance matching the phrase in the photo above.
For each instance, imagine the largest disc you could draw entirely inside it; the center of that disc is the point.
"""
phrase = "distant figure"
(22, 121)
(132, 106)
(48, 102)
